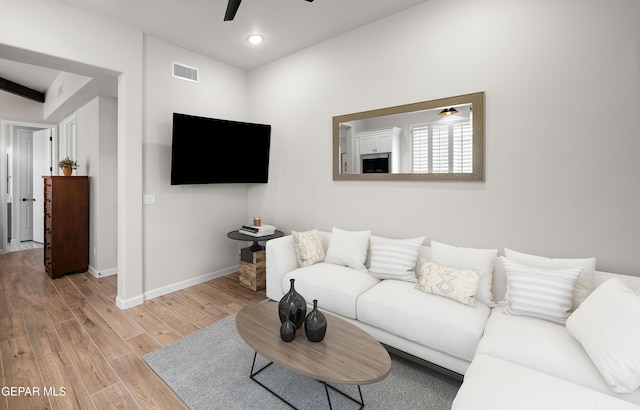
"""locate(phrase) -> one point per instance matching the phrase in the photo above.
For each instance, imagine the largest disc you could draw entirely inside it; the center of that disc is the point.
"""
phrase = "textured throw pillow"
(458, 284)
(394, 258)
(480, 260)
(607, 326)
(348, 248)
(308, 247)
(584, 285)
(537, 292)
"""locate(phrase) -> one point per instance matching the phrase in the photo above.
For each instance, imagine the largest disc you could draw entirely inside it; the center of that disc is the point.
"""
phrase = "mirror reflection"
(431, 140)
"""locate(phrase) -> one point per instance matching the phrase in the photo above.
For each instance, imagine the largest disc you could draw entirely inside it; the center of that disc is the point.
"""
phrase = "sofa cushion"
(348, 248)
(538, 292)
(584, 285)
(491, 383)
(335, 287)
(543, 346)
(457, 284)
(308, 247)
(439, 323)
(607, 325)
(394, 258)
(481, 260)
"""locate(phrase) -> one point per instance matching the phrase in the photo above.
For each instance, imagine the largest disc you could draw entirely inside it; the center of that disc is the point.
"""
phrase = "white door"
(42, 164)
(25, 183)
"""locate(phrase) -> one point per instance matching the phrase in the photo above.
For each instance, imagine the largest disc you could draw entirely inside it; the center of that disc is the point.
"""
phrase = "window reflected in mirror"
(440, 140)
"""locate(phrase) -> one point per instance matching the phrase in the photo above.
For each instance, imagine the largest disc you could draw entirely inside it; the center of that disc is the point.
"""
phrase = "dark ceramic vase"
(292, 305)
(287, 330)
(315, 325)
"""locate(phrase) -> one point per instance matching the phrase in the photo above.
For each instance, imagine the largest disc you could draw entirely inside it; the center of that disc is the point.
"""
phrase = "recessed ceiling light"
(255, 39)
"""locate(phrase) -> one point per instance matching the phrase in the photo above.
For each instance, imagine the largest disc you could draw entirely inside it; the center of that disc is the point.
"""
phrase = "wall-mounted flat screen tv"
(215, 151)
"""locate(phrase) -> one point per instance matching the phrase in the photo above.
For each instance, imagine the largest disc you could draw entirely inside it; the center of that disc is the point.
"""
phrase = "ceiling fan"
(232, 9)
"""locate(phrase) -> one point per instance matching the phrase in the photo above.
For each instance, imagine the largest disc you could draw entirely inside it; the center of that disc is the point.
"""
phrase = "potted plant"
(67, 165)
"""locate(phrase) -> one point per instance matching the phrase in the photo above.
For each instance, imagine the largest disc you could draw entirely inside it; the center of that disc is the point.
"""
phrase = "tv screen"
(214, 151)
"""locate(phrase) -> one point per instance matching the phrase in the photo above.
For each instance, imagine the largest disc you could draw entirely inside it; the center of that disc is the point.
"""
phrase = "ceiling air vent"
(185, 72)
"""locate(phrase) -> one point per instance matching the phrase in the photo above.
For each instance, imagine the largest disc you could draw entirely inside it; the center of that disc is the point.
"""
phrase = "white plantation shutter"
(462, 147)
(442, 147)
(420, 148)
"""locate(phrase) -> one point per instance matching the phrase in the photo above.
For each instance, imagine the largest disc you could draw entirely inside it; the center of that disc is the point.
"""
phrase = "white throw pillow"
(394, 258)
(480, 260)
(348, 248)
(607, 325)
(537, 292)
(458, 284)
(308, 247)
(584, 286)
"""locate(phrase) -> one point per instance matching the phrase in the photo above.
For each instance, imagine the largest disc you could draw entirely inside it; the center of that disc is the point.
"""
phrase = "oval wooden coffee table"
(346, 355)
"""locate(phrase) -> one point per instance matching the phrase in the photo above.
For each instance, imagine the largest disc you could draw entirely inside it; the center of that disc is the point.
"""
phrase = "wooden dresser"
(66, 225)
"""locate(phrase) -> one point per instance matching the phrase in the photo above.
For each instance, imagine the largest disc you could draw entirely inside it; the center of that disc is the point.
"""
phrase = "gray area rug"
(210, 370)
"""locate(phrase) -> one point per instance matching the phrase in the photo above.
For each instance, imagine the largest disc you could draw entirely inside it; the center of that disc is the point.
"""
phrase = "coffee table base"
(326, 386)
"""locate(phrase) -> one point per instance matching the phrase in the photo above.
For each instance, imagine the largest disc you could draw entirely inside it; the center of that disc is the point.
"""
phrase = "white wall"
(562, 83)
(97, 157)
(185, 232)
(65, 86)
(580, 199)
(55, 35)
(13, 107)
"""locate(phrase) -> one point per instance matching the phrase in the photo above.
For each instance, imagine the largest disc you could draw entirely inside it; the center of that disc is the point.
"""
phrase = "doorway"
(28, 153)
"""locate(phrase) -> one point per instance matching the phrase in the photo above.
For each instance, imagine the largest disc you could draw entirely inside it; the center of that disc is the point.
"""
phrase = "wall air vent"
(184, 72)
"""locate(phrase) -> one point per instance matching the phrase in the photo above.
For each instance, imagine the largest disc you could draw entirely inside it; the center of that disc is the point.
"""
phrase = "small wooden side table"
(253, 268)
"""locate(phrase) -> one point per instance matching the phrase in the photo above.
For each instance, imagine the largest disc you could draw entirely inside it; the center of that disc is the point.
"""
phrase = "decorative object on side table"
(293, 306)
(252, 260)
(67, 165)
(315, 325)
(259, 230)
(287, 330)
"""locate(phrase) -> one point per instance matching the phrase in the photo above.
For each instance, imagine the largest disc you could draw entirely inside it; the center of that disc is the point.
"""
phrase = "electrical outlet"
(149, 199)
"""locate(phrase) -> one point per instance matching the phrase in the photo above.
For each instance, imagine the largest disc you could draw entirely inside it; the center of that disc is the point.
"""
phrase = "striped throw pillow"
(542, 293)
(394, 258)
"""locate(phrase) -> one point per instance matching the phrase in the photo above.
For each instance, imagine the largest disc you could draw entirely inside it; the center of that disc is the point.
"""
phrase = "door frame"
(6, 161)
(21, 185)
(42, 165)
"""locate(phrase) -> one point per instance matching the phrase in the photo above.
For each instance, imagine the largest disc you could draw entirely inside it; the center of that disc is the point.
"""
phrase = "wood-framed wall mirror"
(437, 140)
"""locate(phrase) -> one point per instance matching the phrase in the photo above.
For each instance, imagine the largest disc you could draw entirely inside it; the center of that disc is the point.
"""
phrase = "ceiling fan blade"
(232, 9)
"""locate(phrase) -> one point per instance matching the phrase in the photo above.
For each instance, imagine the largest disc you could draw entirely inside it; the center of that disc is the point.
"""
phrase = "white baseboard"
(102, 273)
(189, 282)
(126, 304)
(138, 300)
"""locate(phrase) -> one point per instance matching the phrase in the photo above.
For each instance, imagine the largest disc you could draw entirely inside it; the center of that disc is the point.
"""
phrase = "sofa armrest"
(600, 277)
(281, 259)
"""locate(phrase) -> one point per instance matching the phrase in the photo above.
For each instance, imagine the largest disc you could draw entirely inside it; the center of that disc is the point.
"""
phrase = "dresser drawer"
(66, 225)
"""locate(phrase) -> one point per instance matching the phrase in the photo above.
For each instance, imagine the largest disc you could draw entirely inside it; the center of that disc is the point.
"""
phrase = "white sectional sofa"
(508, 361)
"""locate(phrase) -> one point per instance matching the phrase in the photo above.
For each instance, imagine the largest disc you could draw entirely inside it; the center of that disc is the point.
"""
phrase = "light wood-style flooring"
(64, 344)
